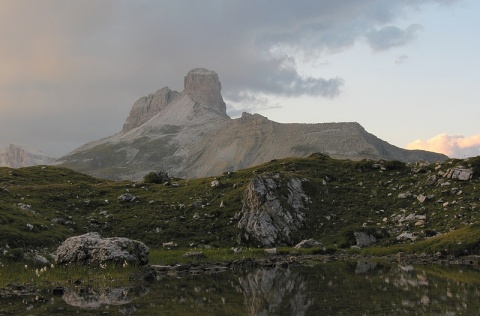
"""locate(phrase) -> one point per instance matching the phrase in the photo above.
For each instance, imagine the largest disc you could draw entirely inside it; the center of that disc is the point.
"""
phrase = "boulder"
(268, 218)
(126, 197)
(421, 198)
(406, 236)
(92, 248)
(270, 251)
(37, 259)
(459, 173)
(431, 180)
(194, 254)
(363, 239)
(404, 195)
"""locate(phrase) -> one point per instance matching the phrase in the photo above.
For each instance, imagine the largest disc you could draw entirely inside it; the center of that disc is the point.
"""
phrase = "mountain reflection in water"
(336, 288)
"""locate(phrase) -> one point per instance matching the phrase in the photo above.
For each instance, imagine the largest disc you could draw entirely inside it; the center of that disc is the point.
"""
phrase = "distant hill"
(17, 156)
(190, 135)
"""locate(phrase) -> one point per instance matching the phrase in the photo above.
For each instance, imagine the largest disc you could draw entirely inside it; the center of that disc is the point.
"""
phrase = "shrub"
(364, 165)
(394, 165)
(475, 163)
(15, 254)
(156, 177)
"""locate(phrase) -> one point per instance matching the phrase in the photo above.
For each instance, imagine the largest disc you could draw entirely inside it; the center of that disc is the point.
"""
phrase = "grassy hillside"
(43, 205)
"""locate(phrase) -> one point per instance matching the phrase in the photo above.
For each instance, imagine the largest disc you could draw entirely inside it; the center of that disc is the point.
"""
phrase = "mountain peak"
(204, 87)
(17, 156)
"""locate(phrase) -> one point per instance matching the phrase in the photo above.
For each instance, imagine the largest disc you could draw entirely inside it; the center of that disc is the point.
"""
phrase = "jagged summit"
(17, 156)
(201, 86)
(204, 87)
(190, 135)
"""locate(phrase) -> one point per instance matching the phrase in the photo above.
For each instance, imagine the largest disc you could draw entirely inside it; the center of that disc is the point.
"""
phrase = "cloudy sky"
(407, 70)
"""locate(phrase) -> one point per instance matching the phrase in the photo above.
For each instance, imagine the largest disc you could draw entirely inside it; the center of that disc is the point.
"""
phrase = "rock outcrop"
(147, 107)
(268, 218)
(190, 135)
(16, 156)
(459, 173)
(91, 248)
(363, 239)
(204, 87)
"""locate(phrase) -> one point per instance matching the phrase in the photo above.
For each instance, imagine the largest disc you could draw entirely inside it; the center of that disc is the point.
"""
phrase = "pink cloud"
(456, 146)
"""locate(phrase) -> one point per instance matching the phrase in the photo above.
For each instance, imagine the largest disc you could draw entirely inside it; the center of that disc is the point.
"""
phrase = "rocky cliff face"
(203, 87)
(15, 156)
(268, 218)
(190, 135)
(146, 107)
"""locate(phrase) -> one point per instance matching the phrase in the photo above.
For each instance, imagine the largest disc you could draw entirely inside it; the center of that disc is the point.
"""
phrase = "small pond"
(335, 288)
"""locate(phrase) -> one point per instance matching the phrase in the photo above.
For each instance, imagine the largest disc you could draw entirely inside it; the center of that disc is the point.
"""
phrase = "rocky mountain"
(16, 156)
(190, 135)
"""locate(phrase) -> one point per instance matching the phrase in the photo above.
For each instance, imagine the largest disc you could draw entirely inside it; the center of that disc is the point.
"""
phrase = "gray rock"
(92, 248)
(406, 236)
(308, 243)
(431, 180)
(365, 266)
(126, 197)
(459, 173)
(404, 195)
(194, 254)
(266, 219)
(363, 239)
(236, 249)
(37, 259)
(421, 198)
(271, 251)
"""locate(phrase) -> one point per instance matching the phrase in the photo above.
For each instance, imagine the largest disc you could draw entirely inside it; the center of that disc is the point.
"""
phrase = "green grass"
(463, 241)
(346, 196)
(50, 276)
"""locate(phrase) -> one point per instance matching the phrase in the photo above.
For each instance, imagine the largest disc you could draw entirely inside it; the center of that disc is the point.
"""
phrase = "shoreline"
(152, 272)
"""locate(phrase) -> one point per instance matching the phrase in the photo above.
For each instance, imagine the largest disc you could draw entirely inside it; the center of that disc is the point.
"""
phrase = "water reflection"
(337, 288)
(275, 292)
(90, 297)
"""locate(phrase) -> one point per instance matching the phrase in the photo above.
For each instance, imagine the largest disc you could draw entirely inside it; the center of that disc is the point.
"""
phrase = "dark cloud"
(84, 63)
(391, 36)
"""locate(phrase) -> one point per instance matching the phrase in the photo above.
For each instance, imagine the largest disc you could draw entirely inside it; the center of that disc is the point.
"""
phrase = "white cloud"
(456, 146)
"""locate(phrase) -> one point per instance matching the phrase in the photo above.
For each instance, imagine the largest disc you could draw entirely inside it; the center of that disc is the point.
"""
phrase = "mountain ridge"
(190, 135)
(17, 156)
